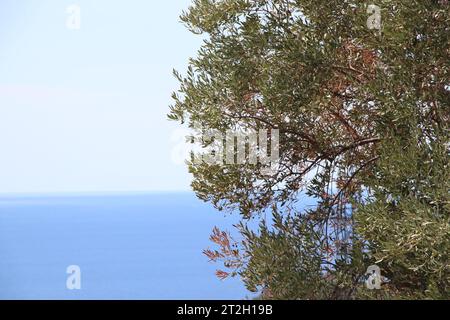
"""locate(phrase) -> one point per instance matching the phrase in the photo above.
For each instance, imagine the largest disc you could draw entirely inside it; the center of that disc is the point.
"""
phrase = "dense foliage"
(363, 115)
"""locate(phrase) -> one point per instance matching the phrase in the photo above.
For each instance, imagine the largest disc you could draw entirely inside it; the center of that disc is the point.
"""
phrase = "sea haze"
(128, 246)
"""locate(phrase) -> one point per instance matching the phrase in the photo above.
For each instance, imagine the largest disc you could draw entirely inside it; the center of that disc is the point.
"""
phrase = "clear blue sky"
(85, 110)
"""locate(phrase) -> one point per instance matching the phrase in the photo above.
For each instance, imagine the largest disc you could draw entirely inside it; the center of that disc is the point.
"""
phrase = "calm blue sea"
(142, 246)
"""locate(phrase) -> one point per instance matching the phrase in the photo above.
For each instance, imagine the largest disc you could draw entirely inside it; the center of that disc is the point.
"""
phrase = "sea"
(130, 246)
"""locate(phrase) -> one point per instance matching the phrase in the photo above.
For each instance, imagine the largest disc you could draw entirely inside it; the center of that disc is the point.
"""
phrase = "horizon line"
(88, 193)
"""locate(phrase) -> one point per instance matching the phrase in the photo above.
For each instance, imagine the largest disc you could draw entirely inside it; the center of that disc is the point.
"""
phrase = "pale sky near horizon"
(85, 110)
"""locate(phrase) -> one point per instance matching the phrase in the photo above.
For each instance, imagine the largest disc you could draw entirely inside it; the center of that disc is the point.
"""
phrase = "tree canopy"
(363, 116)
